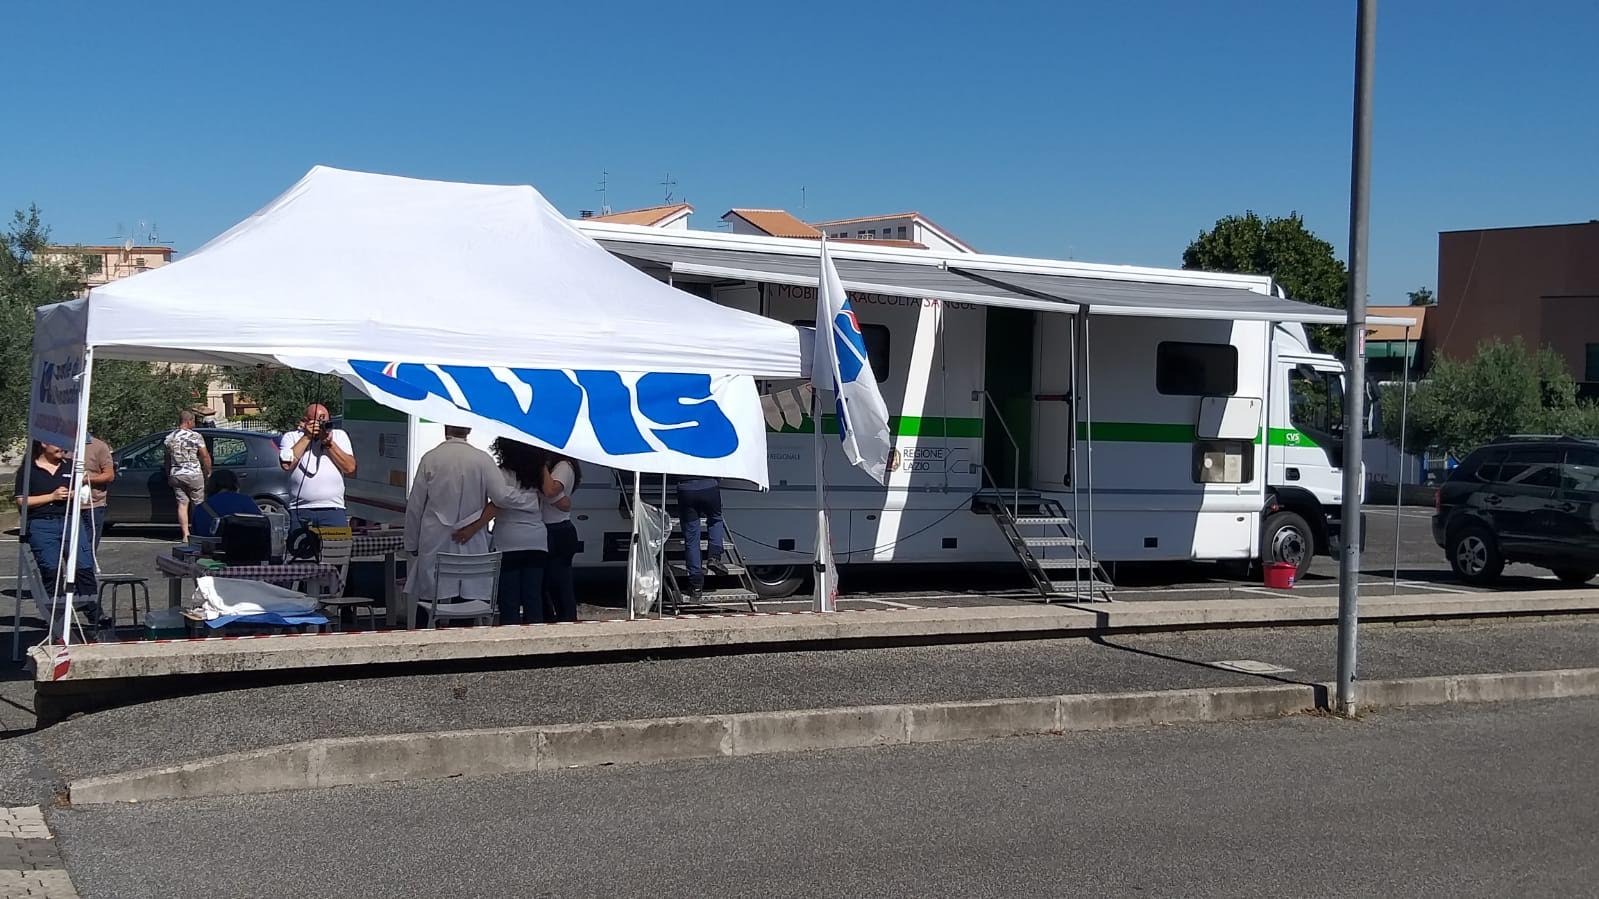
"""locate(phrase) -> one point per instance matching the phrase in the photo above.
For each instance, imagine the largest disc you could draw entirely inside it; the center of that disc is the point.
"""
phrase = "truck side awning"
(900, 279)
(1159, 300)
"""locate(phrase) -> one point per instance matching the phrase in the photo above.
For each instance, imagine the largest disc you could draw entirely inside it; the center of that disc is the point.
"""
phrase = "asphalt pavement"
(1461, 801)
(182, 728)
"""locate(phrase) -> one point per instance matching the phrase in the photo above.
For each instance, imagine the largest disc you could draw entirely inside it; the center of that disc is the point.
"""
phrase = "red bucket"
(1280, 575)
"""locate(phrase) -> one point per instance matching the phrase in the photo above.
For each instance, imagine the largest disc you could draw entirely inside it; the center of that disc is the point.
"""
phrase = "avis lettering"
(677, 409)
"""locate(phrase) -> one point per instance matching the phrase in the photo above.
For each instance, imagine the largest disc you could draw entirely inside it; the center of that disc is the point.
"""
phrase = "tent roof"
(354, 265)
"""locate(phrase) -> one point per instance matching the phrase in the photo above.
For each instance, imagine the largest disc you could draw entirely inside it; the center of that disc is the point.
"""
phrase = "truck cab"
(1304, 452)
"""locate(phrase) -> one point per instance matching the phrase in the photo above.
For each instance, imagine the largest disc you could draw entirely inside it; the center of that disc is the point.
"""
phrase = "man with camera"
(319, 458)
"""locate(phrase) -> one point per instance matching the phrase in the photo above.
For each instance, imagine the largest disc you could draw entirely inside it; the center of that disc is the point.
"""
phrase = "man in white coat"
(452, 482)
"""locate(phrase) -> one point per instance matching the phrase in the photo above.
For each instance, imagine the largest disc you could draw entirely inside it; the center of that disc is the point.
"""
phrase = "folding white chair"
(333, 601)
(463, 565)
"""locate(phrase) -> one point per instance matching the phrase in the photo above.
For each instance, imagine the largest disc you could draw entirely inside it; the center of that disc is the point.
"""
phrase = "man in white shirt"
(319, 459)
(453, 481)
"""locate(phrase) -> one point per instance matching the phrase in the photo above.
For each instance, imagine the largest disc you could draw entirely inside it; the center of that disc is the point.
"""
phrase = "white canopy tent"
(469, 304)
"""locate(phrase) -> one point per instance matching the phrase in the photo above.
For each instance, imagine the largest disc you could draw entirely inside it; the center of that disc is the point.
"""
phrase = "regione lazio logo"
(678, 410)
(849, 344)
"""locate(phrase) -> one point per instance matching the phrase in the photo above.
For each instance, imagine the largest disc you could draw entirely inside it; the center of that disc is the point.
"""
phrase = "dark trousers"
(522, 586)
(558, 570)
(697, 499)
(46, 537)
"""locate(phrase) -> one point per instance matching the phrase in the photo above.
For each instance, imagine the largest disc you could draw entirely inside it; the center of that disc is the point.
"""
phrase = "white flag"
(840, 364)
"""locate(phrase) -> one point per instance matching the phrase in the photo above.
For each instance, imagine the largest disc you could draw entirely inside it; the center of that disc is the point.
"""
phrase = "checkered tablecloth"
(377, 543)
(289, 572)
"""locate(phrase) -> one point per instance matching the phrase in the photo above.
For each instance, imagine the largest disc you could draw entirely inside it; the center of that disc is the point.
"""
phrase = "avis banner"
(660, 422)
(59, 359)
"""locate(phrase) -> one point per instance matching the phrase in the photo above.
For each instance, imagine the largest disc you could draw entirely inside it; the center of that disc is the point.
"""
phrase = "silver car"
(140, 494)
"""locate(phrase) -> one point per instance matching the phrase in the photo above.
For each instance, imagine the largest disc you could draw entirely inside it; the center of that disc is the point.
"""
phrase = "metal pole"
(633, 551)
(1088, 418)
(660, 554)
(823, 603)
(74, 523)
(1399, 469)
(1355, 395)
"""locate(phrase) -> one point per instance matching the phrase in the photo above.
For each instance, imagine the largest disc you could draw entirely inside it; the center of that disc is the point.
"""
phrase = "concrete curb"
(399, 757)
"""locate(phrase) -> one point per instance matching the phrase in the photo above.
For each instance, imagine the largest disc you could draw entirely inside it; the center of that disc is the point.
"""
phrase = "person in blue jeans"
(46, 500)
(701, 498)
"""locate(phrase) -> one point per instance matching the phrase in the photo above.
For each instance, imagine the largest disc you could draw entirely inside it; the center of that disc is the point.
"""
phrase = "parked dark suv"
(1522, 499)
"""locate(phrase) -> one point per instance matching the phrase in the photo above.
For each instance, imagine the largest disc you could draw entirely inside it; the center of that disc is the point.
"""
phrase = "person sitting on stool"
(224, 499)
(699, 498)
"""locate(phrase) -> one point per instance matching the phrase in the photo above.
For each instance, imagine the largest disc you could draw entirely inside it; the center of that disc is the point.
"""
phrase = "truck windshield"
(1316, 401)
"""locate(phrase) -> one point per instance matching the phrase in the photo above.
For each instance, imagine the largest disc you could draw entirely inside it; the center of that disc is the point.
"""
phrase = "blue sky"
(1110, 132)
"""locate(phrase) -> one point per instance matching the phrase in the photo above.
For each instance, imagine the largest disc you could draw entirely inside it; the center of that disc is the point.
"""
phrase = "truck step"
(1053, 541)
(720, 596)
(1064, 564)
(681, 569)
(1043, 519)
(1089, 588)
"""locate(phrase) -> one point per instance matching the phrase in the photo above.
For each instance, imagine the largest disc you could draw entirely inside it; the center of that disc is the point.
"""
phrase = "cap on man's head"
(456, 431)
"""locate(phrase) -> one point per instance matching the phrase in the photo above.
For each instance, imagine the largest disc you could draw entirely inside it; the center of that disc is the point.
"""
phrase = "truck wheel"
(1576, 577)
(1290, 539)
(776, 581)
(1475, 557)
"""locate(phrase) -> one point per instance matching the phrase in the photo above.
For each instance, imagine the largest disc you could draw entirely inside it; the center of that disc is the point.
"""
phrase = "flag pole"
(824, 534)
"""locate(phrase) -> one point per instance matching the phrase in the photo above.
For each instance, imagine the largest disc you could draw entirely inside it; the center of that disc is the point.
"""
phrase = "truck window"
(876, 337)
(1316, 402)
(1196, 369)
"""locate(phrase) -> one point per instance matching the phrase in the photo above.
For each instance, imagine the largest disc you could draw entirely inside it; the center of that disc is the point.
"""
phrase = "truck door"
(1307, 450)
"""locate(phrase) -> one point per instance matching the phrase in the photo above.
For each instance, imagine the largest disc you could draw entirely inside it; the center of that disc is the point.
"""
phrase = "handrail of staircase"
(1015, 452)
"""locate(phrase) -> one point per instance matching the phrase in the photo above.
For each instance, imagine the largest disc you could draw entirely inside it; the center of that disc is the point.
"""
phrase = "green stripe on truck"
(902, 426)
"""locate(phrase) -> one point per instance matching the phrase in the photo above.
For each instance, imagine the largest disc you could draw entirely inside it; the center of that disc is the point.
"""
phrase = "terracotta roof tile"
(649, 215)
(775, 222)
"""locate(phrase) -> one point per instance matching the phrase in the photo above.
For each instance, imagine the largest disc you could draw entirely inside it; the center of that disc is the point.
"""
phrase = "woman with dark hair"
(48, 501)
(519, 534)
(563, 474)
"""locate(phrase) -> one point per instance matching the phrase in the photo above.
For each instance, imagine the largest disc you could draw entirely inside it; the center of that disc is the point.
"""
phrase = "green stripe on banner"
(362, 409)
(902, 426)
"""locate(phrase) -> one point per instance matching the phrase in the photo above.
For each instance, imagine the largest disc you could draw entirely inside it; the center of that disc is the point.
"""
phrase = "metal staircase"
(735, 588)
(1046, 543)
(1044, 538)
(676, 596)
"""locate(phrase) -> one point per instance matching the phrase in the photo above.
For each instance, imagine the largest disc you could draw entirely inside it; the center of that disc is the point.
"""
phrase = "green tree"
(27, 280)
(127, 399)
(1300, 262)
(1421, 296)
(1504, 389)
(283, 393)
(130, 399)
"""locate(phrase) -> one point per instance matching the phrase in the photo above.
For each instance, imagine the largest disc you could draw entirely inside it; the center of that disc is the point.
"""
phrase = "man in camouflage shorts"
(188, 466)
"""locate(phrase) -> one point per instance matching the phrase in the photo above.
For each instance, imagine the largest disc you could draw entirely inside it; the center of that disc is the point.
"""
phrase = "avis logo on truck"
(677, 409)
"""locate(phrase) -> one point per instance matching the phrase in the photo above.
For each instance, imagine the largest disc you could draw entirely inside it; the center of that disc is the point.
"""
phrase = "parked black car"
(140, 494)
(1522, 499)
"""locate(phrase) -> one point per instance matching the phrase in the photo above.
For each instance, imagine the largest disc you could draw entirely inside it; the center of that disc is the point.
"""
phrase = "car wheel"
(270, 506)
(1474, 555)
(776, 581)
(1289, 539)
(1576, 577)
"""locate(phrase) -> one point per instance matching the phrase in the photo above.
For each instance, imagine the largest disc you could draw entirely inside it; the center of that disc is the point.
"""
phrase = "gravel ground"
(186, 727)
